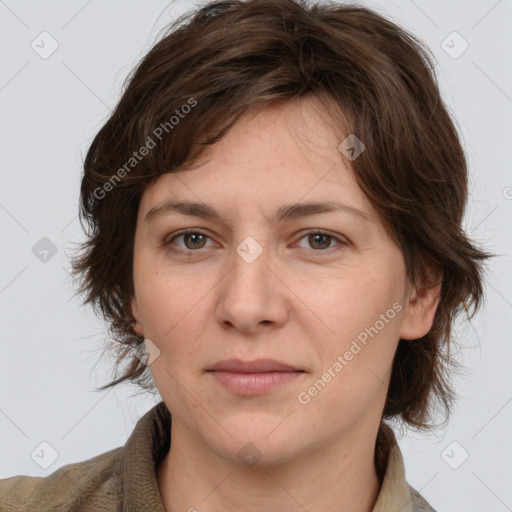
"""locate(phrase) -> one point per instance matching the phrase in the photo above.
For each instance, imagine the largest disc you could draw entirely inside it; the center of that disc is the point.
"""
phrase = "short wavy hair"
(378, 82)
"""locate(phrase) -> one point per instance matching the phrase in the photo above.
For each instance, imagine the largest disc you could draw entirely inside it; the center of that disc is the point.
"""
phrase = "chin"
(257, 441)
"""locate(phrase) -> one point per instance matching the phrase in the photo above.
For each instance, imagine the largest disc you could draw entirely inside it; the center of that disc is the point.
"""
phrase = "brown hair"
(378, 82)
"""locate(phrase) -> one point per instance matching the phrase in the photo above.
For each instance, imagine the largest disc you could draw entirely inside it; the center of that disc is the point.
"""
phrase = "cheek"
(356, 364)
(363, 313)
(165, 298)
(351, 303)
(175, 310)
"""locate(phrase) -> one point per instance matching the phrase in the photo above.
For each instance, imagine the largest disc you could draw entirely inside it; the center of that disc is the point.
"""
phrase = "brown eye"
(319, 241)
(192, 241)
(196, 240)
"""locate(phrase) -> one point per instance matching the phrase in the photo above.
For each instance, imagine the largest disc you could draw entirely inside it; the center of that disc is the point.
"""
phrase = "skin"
(301, 301)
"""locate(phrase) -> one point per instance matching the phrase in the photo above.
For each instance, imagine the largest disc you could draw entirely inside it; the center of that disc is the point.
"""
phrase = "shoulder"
(92, 485)
(420, 504)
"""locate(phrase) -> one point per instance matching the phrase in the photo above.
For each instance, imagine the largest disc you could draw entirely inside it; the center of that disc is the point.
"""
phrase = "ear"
(137, 326)
(421, 308)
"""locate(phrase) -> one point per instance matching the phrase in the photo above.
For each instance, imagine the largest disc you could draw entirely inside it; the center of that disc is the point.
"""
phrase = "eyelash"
(168, 241)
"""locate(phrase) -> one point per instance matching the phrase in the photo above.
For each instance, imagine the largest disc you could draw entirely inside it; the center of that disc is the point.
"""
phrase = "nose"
(252, 297)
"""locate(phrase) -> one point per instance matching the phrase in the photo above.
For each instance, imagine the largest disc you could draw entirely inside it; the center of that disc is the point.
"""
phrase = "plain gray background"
(50, 110)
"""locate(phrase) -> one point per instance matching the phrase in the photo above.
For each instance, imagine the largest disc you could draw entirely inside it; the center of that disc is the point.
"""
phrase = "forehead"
(280, 154)
(300, 131)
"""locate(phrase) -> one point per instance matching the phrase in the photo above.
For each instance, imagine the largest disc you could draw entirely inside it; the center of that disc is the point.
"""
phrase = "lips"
(257, 366)
(253, 377)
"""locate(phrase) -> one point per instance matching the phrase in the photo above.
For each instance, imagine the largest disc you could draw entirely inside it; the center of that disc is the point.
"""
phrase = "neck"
(338, 476)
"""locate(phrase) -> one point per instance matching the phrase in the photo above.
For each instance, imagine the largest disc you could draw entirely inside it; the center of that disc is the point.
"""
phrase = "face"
(275, 325)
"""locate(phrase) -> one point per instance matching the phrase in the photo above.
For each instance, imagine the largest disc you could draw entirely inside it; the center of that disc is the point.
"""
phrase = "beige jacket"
(124, 479)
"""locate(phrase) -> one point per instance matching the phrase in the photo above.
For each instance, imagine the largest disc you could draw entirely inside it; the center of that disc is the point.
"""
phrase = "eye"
(195, 239)
(321, 240)
(192, 238)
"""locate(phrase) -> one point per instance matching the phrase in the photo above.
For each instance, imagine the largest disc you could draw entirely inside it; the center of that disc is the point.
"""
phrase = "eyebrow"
(283, 213)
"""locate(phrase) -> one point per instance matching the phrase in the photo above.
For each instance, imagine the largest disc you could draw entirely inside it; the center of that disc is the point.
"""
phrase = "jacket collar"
(150, 442)
(146, 447)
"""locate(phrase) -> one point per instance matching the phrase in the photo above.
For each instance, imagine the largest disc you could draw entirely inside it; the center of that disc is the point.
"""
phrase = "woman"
(275, 212)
